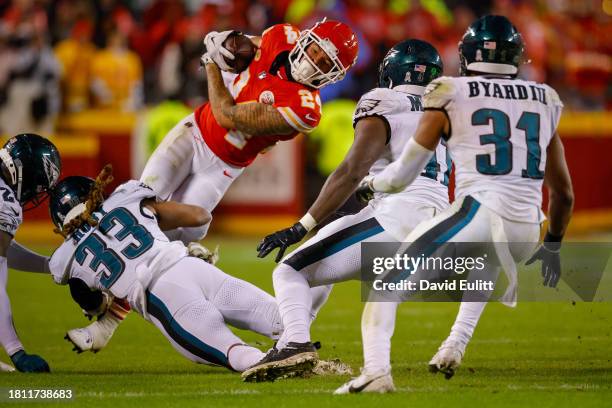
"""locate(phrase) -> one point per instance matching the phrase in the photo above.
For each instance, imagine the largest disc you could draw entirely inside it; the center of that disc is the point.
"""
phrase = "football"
(243, 49)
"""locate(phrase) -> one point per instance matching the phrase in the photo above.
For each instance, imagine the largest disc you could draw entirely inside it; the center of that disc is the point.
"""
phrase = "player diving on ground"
(115, 247)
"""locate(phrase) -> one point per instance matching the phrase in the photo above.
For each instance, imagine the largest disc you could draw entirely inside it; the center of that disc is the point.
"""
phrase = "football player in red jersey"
(274, 99)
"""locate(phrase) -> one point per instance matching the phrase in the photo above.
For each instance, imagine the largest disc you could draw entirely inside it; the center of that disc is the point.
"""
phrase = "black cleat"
(292, 360)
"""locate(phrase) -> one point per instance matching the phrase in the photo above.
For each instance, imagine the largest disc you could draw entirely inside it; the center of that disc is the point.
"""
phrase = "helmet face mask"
(336, 40)
(410, 62)
(491, 45)
(31, 166)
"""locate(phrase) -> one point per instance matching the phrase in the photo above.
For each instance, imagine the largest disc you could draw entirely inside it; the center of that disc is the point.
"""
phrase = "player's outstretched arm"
(560, 205)
(171, 214)
(417, 152)
(369, 143)
(23, 361)
(24, 259)
(370, 140)
(253, 118)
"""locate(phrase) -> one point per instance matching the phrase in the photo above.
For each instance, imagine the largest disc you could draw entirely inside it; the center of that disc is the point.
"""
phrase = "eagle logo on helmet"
(51, 170)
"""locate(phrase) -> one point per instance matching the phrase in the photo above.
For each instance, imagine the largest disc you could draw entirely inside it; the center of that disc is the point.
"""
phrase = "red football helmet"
(337, 40)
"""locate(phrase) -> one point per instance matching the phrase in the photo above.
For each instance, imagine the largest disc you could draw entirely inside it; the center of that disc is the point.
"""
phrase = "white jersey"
(123, 253)
(11, 215)
(500, 130)
(401, 112)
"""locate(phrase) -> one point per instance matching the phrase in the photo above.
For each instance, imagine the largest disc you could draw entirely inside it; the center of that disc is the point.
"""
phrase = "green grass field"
(547, 354)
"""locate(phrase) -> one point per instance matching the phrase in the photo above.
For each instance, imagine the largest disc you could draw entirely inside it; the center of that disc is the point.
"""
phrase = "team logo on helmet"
(51, 170)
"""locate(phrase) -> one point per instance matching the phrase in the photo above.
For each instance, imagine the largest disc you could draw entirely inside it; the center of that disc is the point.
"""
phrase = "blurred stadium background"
(106, 79)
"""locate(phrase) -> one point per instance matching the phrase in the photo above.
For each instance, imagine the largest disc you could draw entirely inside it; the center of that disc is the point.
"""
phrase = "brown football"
(243, 49)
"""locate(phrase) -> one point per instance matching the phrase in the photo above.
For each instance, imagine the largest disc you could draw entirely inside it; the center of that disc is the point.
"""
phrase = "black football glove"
(364, 192)
(549, 254)
(29, 363)
(281, 239)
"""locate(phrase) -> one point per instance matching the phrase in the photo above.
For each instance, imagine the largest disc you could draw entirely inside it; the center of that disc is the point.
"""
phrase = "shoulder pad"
(11, 214)
(377, 102)
(131, 191)
(553, 96)
(438, 93)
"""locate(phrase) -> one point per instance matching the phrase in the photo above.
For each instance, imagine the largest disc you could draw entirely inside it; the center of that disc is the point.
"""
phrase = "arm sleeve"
(85, 297)
(21, 258)
(396, 176)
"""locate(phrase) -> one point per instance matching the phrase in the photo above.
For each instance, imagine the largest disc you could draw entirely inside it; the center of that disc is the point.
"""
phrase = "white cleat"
(447, 359)
(95, 336)
(5, 368)
(379, 381)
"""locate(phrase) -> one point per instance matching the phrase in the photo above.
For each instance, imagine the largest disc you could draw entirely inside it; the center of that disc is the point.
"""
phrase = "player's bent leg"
(332, 255)
(205, 186)
(177, 303)
(196, 329)
(245, 306)
(170, 163)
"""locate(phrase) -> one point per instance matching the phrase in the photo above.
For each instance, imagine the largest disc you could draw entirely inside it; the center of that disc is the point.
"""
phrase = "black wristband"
(552, 242)
(552, 238)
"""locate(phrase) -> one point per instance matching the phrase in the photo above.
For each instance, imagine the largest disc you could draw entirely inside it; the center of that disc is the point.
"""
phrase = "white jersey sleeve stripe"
(294, 120)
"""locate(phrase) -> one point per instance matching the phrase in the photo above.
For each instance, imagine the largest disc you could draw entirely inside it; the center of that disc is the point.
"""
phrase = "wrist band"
(552, 238)
(308, 222)
(552, 242)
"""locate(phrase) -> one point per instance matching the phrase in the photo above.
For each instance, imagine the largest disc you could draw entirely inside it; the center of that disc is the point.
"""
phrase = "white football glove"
(200, 251)
(215, 51)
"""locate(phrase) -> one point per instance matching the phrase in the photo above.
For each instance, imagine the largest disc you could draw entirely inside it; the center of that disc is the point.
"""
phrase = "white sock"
(466, 321)
(377, 326)
(319, 297)
(242, 356)
(8, 336)
(294, 299)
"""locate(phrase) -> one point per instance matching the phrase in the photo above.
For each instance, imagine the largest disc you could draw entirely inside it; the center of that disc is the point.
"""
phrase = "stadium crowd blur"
(72, 55)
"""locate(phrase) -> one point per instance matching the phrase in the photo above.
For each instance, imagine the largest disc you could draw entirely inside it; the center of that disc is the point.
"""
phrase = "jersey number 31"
(529, 122)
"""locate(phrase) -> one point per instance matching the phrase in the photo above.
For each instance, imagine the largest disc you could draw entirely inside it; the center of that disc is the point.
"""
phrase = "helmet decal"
(51, 170)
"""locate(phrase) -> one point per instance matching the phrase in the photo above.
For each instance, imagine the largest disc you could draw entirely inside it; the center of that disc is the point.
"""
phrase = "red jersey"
(264, 81)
